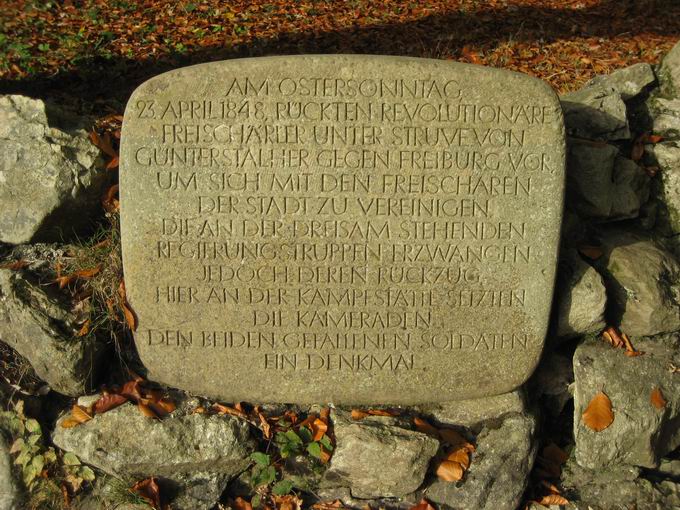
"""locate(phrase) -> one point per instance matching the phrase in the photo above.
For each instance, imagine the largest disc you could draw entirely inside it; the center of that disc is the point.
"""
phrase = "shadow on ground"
(101, 84)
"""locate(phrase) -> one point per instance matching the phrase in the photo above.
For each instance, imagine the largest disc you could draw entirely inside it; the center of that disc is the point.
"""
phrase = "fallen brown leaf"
(107, 402)
(450, 471)
(423, 505)
(78, 415)
(146, 410)
(553, 499)
(148, 489)
(84, 329)
(598, 415)
(658, 399)
(222, 409)
(425, 427)
(461, 456)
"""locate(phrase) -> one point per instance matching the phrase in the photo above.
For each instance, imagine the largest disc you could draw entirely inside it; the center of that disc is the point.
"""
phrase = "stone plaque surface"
(349, 229)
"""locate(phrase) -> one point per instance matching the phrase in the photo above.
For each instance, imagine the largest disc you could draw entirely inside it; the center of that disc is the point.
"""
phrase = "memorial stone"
(340, 228)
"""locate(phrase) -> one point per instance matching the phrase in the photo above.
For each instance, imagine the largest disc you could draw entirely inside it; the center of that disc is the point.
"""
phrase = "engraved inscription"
(312, 221)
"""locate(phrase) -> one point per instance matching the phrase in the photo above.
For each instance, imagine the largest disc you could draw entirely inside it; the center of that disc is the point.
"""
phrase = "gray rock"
(580, 297)
(640, 434)
(196, 453)
(498, 469)
(667, 156)
(643, 282)
(375, 458)
(665, 117)
(615, 488)
(473, 412)
(602, 184)
(51, 175)
(669, 72)
(10, 494)
(38, 323)
(596, 113)
(629, 81)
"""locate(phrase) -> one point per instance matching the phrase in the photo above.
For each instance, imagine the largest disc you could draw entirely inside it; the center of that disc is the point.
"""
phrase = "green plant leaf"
(262, 459)
(256, 500)
(86, 474)
(326, 443)
(50, 456)
(23, 458)
(264, 476)
(71, 460)
(305, 434)
(17, 446)
(293, 437)
(314, 449)
(29, 472)
(282, 487)
(32, 426)
(34, 438)
(38, 462)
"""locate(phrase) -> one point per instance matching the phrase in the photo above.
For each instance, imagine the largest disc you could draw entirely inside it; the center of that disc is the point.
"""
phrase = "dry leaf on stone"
(456, 440)
(658, 399)
(146, 410)
(598, 415)
(148, 489)
(335, 505)
(78, 415)
(107, 402)
(222, 409)
(425, 427)
(423, 505)
(359, 414)
(450, 471)
(553, 499)
(461, 456)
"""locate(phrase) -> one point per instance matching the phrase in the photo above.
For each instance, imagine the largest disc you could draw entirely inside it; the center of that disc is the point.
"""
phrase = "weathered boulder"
(376, 458)
(10, 495)
(473, 412)
(596, 113)
(669, 72)
(51, 176)
(629, 81)
(197, 454)
(616, 487)
(641, 433)
(602, 184)
(643, 282)
(580, 297)
(665, 115)
(667, 157)
(499, 468)
(38, 323)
